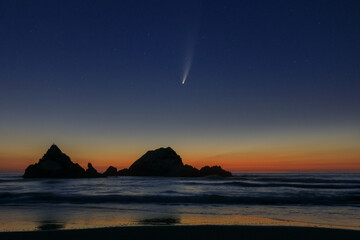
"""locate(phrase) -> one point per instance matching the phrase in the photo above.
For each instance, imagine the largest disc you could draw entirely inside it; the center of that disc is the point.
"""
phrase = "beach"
(188, 232)
(289, 200)
(179, 119)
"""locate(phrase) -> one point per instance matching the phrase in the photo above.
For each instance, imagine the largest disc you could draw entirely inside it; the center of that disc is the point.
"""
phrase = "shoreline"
(188, 232)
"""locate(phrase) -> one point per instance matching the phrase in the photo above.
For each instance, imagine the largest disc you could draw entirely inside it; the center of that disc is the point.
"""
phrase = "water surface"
(331, 200)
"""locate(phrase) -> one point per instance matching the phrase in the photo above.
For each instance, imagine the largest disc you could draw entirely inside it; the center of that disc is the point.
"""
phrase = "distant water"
(331, 200)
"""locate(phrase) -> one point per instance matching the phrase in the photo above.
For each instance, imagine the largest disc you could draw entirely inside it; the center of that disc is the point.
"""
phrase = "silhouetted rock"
(54, 164)
(123, 172)
(160, 162)
(165, 162)
(189, 171)
(215, 170)
(111, 171)
(91, 172)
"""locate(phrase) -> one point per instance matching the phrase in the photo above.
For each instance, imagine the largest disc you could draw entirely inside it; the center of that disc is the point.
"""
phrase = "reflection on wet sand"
(50, 225)
(50, 217)
(160, 221)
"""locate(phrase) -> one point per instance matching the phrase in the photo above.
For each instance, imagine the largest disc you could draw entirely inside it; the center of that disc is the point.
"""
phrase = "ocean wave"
(252, 184)
(302, 198)
(295, 185)
(349, 179)
(2, 180)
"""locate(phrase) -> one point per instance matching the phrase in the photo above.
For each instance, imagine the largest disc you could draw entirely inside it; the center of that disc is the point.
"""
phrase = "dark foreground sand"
(188, 232)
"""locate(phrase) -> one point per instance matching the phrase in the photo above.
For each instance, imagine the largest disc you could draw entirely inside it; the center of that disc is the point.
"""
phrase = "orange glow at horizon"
(289, 150)
(329, 160)
(340, 160)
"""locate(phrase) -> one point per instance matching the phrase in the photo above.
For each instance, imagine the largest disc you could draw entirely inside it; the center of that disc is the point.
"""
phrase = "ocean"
(297, 199)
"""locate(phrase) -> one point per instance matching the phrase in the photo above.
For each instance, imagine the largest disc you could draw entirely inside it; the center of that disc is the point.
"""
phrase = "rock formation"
(214, 170)
(111, 171)
(165, 162)
(160, 162)
(123, 172)
(55, 164)
(91, 172)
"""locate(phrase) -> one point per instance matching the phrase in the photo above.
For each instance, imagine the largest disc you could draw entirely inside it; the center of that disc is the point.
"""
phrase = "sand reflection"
(50, 225)
(160, 221)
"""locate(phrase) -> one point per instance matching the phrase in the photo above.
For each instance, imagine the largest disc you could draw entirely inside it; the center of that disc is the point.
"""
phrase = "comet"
(187, 68)
(188, 59)
(190, 47)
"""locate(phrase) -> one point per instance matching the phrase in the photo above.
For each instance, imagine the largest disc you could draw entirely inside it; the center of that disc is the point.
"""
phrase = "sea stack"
(166, 162)
(111, 171)
(91, 172)
(56, 164)
(163, 162)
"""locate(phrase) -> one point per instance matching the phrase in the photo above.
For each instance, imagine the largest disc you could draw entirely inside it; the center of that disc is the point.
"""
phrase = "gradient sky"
(272, 86)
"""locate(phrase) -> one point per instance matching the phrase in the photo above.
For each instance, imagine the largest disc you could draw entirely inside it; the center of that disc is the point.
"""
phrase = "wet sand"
(188, 232)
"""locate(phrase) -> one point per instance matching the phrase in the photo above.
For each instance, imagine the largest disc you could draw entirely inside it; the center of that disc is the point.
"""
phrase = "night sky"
(272, 85)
